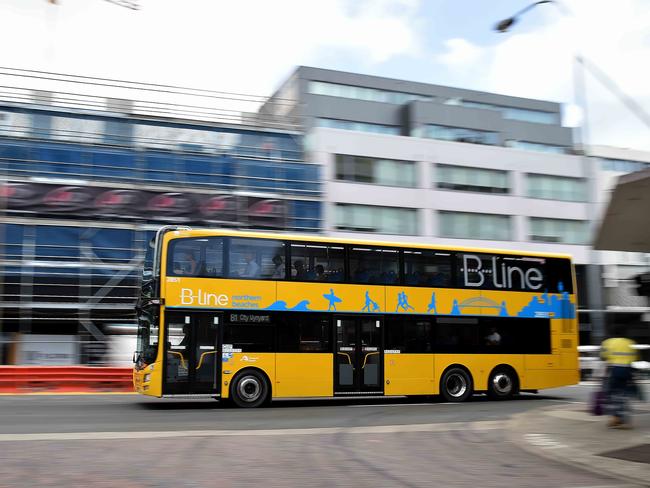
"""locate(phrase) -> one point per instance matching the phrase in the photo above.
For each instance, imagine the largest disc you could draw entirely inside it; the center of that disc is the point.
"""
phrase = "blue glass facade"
(66, 270)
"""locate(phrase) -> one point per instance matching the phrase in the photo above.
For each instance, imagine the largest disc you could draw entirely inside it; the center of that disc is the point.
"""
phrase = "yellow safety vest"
(618, 351)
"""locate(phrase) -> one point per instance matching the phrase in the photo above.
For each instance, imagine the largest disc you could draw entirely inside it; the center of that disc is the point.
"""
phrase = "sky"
(251, 46)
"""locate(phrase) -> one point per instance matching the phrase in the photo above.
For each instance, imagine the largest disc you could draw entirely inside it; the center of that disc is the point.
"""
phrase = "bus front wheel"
(249, 389)
(456, 385)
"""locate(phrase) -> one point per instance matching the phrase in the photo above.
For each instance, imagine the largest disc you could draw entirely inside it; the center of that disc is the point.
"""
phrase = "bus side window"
(317, 262)
(256, 258)
(374, 265)
(424, 267)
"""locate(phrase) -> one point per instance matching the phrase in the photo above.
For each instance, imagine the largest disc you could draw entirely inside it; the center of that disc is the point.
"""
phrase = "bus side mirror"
(136, 356)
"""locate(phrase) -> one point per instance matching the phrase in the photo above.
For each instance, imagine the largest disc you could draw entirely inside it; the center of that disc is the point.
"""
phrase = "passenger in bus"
(361, 274)
(336, 276)
(299, 266)
(413, 278)
(252, 269)
(188, 265)
(493, 338)
(388, 277)
(320, 273)
(439, 278)
(278, 270)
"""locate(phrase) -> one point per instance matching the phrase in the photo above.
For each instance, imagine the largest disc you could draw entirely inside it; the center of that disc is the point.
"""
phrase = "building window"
(41, 125)
(623, 165)
(359, 126)
(514, 113)
(457, 134)
(384, 220)
(527, 115)
(557, 188)
(475, 226)
(559, 230)
(472, 179)
(362, 93)
(377, 171)
(118, 132)
(537, 146)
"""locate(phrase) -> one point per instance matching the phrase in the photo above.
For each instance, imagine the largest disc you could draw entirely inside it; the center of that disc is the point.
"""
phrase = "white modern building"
(424, 163)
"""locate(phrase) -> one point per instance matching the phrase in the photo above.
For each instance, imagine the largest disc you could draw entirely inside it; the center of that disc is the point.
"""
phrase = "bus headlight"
(147, 378)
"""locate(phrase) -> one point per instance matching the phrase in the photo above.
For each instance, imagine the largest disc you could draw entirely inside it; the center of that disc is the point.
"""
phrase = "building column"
(595, 302)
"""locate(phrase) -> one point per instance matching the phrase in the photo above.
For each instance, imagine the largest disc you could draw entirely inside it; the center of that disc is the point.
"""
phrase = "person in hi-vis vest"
(619, 353)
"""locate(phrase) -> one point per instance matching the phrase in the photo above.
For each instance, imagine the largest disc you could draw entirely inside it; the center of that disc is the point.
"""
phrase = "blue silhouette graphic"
(282, 305)
(403, 302)
(301, 306)
(455, 309)
(550, 306)
(432, 304)
(503, 311)
(333, 299)
(371, 305)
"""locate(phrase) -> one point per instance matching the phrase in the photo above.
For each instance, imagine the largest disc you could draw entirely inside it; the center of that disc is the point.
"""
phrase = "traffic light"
(643, 284)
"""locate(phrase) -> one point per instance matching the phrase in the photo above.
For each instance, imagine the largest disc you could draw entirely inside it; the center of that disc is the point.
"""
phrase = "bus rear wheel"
(249, 389)
(456, 385)
(502, 384)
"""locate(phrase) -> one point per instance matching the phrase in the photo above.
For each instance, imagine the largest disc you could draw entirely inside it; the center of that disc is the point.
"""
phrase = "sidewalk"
(570, 435)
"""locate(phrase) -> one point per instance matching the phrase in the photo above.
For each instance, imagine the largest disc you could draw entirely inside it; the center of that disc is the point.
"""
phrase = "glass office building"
(86, 180)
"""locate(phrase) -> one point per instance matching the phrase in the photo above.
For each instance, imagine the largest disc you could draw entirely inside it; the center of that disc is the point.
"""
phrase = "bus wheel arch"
(456, 383)
(503, 382)
(250, 388)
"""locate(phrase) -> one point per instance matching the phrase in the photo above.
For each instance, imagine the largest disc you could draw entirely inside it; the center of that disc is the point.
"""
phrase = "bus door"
(192, 353)
(358, 365)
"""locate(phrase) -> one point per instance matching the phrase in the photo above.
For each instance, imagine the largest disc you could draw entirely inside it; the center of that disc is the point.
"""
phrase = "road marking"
(544, 441)
(375, 429)
(608, 486)
(404, 405)
(71, 393)
(395, 405)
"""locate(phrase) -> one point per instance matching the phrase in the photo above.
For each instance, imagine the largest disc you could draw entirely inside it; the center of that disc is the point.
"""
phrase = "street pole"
(593, 272)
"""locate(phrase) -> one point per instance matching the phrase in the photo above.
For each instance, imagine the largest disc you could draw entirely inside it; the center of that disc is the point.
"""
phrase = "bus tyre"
(502, 384)
(456, 385)
(249, 389)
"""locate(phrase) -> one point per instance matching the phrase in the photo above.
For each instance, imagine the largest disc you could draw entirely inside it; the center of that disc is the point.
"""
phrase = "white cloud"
(460, 53)
(241, 46)
(537, 63)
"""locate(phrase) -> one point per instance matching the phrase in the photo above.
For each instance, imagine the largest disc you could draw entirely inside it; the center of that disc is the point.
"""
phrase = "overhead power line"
(131, 4)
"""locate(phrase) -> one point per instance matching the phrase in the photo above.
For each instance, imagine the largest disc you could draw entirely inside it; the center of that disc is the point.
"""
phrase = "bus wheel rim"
(456, 385)
(502, 383)
(249, 389)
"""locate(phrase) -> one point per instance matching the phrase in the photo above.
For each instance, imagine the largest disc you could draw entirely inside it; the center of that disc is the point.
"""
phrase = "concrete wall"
(326, 143)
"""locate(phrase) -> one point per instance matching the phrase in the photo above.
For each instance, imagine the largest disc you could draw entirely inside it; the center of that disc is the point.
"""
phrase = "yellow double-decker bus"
(252, 316)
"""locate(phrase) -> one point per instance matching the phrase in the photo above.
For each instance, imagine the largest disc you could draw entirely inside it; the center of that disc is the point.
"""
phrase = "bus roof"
(186, 232)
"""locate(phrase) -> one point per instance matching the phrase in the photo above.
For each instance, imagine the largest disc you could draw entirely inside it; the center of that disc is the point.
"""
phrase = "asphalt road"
(125, 440)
